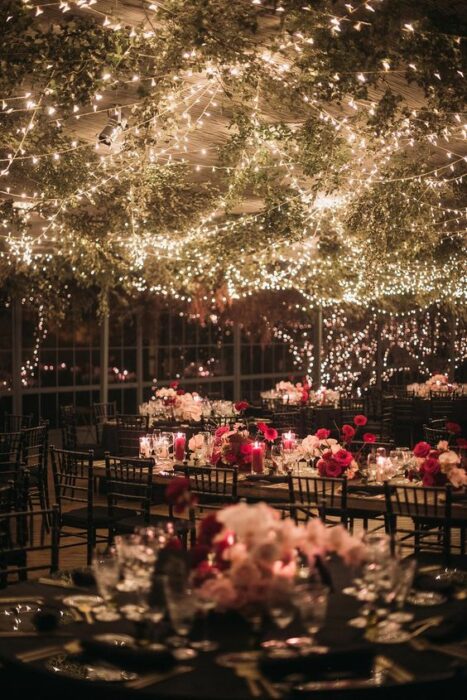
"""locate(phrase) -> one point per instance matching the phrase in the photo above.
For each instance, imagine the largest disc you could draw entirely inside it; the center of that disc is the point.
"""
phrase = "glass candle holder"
(179, 446)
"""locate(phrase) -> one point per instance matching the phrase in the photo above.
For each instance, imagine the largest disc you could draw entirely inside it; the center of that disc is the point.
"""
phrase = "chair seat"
(128, 525)
(100, 515)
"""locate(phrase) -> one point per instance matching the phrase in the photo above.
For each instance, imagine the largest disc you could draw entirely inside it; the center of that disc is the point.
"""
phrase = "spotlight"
(114, 127)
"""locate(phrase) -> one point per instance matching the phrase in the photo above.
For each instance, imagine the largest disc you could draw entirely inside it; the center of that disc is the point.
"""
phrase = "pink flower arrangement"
(249, 552)
(438, 467)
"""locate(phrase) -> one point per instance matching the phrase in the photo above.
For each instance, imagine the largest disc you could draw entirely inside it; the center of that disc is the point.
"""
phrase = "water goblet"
(311, 602)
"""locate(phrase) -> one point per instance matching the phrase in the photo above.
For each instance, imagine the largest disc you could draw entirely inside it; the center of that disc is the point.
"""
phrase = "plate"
(117, 640)
(75, 667)
(426, 598)
(77, 601)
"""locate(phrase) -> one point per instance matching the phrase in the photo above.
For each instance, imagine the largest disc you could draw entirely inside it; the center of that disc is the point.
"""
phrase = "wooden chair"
(22, 551)
(429, 508)
(129, 430)
(316, 496)
(441, 406)
(102, 413)
(433, 435)
(349, 408)
(74, 494)
(70, 440)
(403, 419)
(34, 459)
(213, 489)
(10, 455)
(290, 419)
(128, 482)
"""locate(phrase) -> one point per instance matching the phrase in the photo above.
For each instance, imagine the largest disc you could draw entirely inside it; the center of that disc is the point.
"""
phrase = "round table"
(203, 679)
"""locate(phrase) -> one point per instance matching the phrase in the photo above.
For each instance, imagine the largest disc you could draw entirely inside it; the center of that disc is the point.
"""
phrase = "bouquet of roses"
(438, 467)
(335, 458)
(232, 447)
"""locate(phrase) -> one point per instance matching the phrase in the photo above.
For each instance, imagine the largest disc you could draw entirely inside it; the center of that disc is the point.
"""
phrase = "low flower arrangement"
(335, 458)
(234, 447)
(440, 466)
(246, 552)
(438, 382)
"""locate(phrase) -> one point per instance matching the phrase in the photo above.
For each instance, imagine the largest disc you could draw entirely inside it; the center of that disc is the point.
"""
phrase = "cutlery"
(85, 610)
(425, 625)
(59, 583)
(46, 652)
(448, 649)
(21, 599)
(246, 672)
(153, 678)
(398, 673)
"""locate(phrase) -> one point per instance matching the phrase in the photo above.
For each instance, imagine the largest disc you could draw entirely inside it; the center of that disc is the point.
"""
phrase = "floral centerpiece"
(440, 466)
(438, 382)
(246, 552)
(232, 447)
(335, 458)
(174, 403)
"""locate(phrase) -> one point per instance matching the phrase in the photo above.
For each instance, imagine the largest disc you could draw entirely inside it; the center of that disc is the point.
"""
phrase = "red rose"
(323, 434)
(348, 432)
(246, 450)
(360, 420)
(327, 455)
(209, 527)
(180, 392)
(304, 397)
(334, 469)
(462, 443)
(178, 494)
(221, 431)
(428, 480)
(430, 466)
(343, 457)
(174, 385)
(453, 428)
(262, 427)
(421, 449)
(270, 434)
(369, 437)
(241, 405)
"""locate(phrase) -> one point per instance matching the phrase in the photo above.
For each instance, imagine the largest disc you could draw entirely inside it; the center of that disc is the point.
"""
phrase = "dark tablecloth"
(207, 680)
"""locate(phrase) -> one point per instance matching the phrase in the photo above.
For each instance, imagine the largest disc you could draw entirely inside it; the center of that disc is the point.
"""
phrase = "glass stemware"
(204, 605)
(106, 570)
(182, 609)
(311, 601)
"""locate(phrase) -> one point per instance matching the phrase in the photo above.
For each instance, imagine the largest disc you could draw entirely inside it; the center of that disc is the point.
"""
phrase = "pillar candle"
(257, 458)
(179, 447)
(144, 447)
(288, 440)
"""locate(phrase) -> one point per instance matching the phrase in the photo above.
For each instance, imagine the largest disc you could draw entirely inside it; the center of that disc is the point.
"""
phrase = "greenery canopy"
(312, 146)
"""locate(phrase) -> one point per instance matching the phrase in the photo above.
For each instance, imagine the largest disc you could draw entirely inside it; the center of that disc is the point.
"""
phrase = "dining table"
(63, 662)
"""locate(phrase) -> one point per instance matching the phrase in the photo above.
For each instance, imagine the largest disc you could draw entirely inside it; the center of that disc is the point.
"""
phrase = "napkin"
(344, 662)
(129, 657)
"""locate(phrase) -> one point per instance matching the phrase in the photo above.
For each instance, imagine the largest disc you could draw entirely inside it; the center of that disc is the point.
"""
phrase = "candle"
(144, 447)
(257, 458)
(288, 440)
(179, 446)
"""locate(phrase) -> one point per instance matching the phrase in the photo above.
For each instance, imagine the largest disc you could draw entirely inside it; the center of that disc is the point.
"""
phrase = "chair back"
(133, 421)
(34, 448)
(441, 406)
(213, 485)
(419, 502)
(289, 419)
(15, 423)
(73, 478)
(350, 407)
(68, 422)
(23, 549)
(101, 413)
(130, 481)
(313, 495)
(433, 435)
(10, 454)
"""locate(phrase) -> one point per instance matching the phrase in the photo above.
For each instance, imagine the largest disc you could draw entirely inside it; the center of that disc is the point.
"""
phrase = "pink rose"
(348, 432)
(369, 437)
(360, 420)
(430, 466)
(343, 457)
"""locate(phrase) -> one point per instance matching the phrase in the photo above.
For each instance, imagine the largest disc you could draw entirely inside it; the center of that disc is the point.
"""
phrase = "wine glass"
(204, 604)
(311, 601)
(182, 608)
(106, 570)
